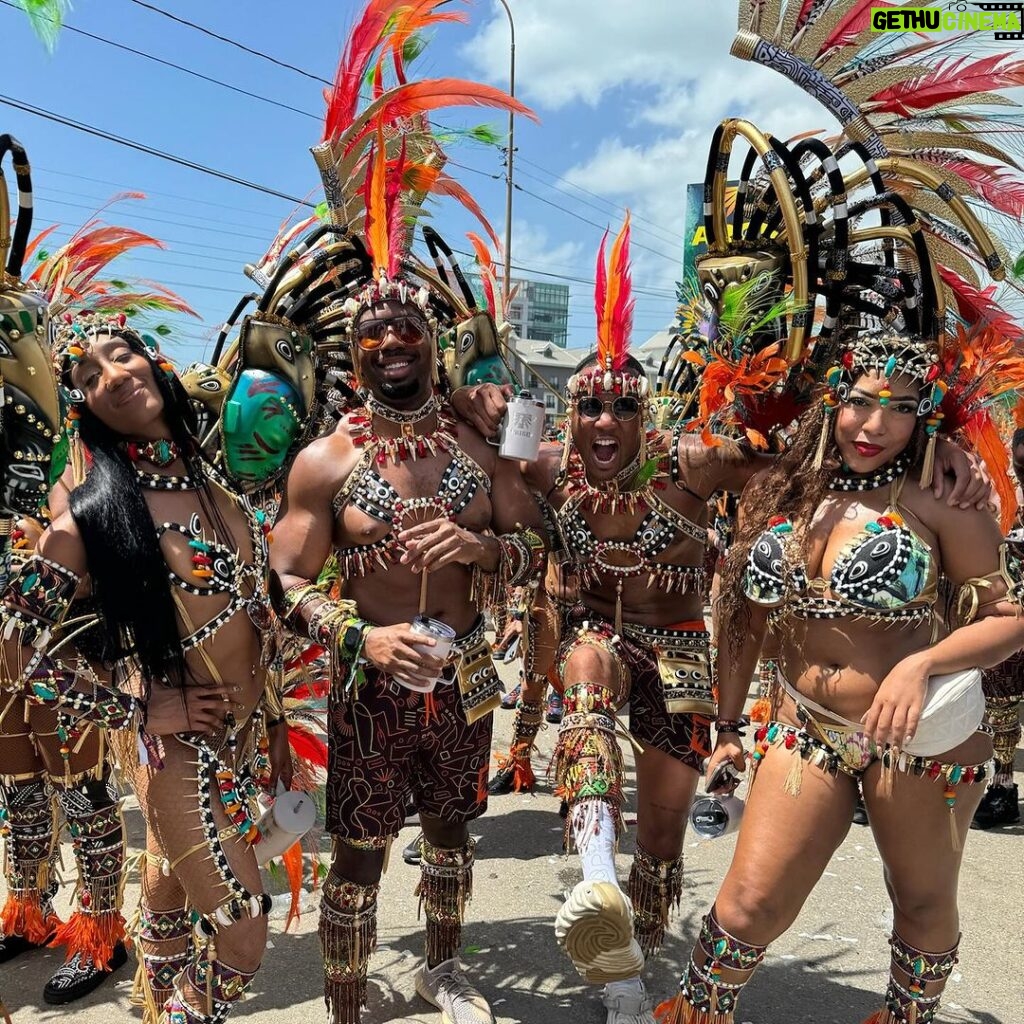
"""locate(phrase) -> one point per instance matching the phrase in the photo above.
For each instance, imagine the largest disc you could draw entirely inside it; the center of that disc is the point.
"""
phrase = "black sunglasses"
(409, 330)
(624, 408)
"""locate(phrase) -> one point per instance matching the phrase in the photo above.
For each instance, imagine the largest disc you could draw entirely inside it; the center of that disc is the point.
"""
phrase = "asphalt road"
(829, 969)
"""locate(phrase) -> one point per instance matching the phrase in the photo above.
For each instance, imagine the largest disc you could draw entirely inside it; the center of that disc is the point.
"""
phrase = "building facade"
(539, 311)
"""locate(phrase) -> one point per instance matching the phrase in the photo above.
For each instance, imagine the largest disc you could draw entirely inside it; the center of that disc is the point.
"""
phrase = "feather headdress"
(613, 306)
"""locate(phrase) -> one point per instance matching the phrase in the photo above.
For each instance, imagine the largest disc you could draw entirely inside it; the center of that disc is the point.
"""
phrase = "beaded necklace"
(160, 452)
(620, 495)
(409, 445)
(846, 481)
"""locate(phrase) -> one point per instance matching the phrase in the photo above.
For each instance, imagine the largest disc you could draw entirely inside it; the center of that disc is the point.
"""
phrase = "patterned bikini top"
(660, 527)
(216, 568)
(368, 491)
(886, 571)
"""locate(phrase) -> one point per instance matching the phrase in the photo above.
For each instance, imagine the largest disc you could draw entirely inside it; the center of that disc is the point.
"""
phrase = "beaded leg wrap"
(916, 981)
(655, 889)
(348, 935)
(164, 942)
(446, 886)
(224, 986)
(97, 836)
(517, 761)
(704, 997)
(26, 824)
(587, 761)
(1003, 714)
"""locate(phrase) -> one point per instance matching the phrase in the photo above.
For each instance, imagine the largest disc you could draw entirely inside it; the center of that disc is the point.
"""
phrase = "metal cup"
(444, 636)
(522, 429)
(713, 816)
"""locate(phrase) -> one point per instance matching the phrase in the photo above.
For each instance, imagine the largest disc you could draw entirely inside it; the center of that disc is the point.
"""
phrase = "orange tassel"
(429, 708)
(673, 1011)
(762, 710)
(292, 861)
(92, 935)
(24, 916)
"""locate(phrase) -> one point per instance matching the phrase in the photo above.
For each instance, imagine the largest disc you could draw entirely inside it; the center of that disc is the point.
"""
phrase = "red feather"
(362, 44)
(487, 278)
(292, 861)
(949, 80)
(448, 186)
(622, 312)
(978, 306)
(306, 745)
(998, 185)
(853, 23)
(432, 94)
(601, 298)
(38, 240)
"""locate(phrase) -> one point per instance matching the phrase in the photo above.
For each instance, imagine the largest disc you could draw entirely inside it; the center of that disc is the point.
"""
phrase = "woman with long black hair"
(175, 560)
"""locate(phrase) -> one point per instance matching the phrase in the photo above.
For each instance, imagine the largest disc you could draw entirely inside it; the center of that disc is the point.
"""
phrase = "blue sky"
(628, 95)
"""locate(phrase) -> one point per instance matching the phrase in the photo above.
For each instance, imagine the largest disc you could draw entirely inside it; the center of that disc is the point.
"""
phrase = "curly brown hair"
(792, 487)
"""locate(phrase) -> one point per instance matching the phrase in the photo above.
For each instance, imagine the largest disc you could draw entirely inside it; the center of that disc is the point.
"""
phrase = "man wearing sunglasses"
(631, 504)
(422, 517)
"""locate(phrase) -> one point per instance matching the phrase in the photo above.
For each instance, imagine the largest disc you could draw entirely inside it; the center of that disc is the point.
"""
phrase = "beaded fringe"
(678, 1010)
(587, 762)
(348, 935)
(444, 889)
(655, 888)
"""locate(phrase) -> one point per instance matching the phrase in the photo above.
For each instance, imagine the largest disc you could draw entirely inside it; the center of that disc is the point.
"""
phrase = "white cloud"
(533, 247)
(576, 50)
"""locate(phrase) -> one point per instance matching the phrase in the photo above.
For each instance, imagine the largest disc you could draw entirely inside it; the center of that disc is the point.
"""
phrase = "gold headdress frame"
(718, 235)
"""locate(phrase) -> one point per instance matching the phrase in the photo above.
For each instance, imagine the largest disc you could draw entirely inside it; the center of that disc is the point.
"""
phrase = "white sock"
(594, 832)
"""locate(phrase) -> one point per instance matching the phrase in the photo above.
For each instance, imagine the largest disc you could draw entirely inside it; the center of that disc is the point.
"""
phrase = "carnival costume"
(378, 165)
(662, 671)
(890, 246)
(49, 758)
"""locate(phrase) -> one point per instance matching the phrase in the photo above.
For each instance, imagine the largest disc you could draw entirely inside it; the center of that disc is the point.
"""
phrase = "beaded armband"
(34, 604)
(522, 558)
(37, 598)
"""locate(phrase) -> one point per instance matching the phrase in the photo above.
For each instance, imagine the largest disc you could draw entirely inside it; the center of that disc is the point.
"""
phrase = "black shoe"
(860, 812)
(554, 711)
(15, 945)
(503, 781)
(998, 806)
(412, 854)
(78, 977)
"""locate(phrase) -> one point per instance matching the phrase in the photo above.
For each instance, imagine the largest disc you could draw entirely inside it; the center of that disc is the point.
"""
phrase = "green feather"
(46, 18)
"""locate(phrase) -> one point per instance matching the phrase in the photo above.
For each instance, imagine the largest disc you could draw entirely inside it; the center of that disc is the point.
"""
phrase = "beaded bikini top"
(885, 571)
(367, 490)
(216, 568)
(660, 527)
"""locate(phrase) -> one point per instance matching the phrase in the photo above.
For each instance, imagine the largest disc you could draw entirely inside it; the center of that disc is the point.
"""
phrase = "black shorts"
(391, 744)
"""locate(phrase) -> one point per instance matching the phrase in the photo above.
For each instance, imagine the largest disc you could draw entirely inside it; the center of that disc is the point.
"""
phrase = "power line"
(81, 126)
(232, 42)
(177, 67)
(328, 82)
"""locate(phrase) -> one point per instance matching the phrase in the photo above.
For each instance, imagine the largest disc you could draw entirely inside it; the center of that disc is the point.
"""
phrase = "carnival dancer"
(1004, 693)
(838, 547)
(176, 562)
(43, 759)
(406, 498)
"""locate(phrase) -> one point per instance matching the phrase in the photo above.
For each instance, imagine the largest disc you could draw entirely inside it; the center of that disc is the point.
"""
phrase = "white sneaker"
(447, 988)
(595, 925)
(628, 1002)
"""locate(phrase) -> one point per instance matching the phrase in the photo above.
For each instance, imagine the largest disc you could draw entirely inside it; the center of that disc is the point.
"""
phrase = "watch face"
(351, 638)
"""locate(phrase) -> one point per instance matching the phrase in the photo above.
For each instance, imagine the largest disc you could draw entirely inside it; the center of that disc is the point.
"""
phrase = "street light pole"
(511, 149)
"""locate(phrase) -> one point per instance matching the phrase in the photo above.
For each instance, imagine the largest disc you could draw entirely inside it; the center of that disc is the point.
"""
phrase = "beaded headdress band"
(891, 356)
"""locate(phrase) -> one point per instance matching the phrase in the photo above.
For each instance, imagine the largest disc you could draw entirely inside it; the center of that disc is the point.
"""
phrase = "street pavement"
(830, 968)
